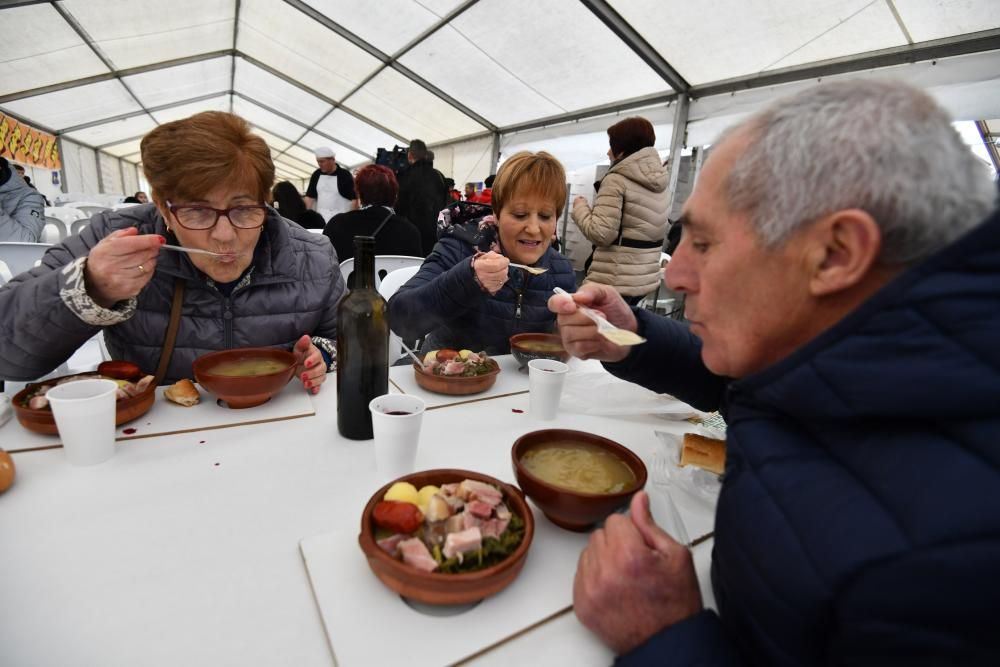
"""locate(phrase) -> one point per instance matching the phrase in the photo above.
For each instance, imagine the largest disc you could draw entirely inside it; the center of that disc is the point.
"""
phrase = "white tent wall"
(111, 174)
(585, 142)
(130, 178)
(80, 168)
(41, 178)
(465, 161)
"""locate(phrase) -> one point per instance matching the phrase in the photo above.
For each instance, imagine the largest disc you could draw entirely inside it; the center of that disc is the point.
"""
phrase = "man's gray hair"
(880, 146)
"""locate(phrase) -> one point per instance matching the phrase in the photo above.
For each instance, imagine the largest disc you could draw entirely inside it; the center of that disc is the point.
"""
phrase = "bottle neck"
(364, 266)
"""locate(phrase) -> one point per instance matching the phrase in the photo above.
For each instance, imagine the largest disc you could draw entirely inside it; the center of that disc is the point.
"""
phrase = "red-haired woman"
(377, 190)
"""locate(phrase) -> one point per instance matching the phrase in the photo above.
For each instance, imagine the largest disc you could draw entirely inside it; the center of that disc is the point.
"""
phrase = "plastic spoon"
(413, 354)
(622, 337)
(533, 270)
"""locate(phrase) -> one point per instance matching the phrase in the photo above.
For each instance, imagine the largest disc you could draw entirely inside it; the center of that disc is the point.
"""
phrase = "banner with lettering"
(25, 144)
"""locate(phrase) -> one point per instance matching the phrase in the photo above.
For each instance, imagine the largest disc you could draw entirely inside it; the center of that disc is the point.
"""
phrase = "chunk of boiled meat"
(449, 489)
(463, 542)
(470, 489)
(455, 523)
(415, 554)
(38, 403)
(454, 368)
(495, 527)
(143, 384)
(391, 544)
(479, 508)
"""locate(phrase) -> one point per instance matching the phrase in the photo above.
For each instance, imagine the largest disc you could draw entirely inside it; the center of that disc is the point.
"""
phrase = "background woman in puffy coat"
(628, 222)
(270, 283)
(466, 294)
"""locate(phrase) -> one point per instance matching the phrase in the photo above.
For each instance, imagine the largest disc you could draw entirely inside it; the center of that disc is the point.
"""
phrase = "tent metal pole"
(100, 177)
(62, 165)
(991, 146)
(495, 156)
(677, 145)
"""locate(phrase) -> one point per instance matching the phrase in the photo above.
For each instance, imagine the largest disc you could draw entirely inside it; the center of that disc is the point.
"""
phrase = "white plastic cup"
(396, 420)
(546, 378)
(84, 411)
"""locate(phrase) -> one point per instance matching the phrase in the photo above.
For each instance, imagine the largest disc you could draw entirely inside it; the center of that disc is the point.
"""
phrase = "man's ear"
(843, 247)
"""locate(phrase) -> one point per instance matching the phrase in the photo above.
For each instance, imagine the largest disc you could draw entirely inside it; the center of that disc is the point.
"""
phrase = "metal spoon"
(199, 251)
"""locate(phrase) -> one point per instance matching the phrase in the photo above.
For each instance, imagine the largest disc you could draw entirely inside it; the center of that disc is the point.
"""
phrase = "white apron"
(329, 201)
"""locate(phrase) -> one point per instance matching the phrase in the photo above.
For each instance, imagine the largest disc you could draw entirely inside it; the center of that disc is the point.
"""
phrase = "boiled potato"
(464, 354)
(404, 492)
(6, 471)
(430, 356)
(424, 496)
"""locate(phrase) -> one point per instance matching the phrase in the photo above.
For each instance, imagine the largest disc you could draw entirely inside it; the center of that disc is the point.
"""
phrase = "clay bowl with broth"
(528, 346)
(576, 479)
(245, 377)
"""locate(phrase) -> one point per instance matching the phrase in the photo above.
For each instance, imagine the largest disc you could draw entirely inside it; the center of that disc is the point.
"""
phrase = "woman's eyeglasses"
(245, 216)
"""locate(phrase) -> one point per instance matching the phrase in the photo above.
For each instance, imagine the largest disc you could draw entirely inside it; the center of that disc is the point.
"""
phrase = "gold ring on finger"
(142, 271)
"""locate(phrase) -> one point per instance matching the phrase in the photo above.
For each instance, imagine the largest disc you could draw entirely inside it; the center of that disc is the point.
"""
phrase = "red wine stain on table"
(129, 431)
(518, 411)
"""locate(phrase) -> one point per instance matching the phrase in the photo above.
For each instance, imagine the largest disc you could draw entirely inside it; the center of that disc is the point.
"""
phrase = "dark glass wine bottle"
(362, 346)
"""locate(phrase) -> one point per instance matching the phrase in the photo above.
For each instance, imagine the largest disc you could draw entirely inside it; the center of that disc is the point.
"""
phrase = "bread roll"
(706, 453)
(183, 392)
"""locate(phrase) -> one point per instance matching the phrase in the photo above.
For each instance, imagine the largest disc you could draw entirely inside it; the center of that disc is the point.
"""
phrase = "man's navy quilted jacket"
(859, 520)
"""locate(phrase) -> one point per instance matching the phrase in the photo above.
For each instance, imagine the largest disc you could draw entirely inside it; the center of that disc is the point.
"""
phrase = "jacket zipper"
(227, 320)
(520, 297)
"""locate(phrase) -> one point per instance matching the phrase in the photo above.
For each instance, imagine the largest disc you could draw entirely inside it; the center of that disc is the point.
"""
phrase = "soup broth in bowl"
(245, 377)
(576, 478)
(528, 346)
(579, 466)
(247, 367)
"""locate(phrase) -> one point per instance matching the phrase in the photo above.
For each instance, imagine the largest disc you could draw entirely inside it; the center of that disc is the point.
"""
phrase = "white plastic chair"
(384, 264)
(392, 282)
(79, 225)
(54, 231)
(21, 257)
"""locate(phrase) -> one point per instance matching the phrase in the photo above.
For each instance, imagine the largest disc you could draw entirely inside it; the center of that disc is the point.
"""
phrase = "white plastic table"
(183, 549)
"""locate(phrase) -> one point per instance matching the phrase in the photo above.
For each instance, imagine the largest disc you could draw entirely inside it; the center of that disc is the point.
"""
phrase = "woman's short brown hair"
(631, 135)
(376, 185)
(186, 159)
(530, 173)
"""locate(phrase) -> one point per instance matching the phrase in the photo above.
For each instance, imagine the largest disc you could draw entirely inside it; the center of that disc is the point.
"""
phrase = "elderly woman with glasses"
(261, 281)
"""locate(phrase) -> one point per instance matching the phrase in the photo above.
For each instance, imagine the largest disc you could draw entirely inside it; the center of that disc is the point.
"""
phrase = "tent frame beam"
(632, 39)
(390, 61)
(976, 42)
(92, 45)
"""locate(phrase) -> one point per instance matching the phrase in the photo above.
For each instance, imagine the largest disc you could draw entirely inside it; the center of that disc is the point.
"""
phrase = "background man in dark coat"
(840, 259)
(422, 194)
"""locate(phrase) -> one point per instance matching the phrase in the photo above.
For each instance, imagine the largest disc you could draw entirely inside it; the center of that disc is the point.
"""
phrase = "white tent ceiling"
(359, 75)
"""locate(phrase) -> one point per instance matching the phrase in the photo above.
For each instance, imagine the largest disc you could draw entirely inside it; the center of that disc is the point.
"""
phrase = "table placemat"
(510, 380)
(357, 608)
(166, 418)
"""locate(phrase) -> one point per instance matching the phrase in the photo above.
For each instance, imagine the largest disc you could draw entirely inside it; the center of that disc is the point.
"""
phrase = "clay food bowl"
(42, 421)
(244, 391)
(574, 510)
(528, 346)
(442, 588)
(456, 385)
